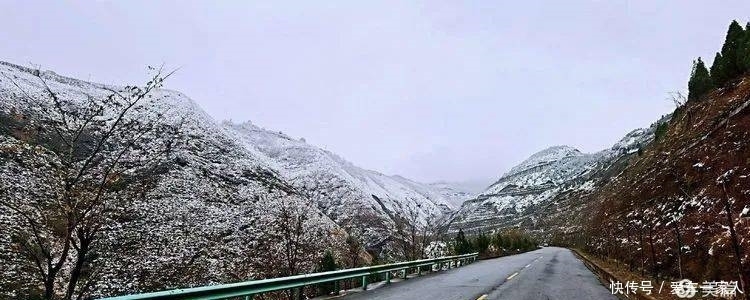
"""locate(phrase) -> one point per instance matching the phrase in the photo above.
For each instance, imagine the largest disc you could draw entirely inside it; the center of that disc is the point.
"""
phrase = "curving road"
(547, 273)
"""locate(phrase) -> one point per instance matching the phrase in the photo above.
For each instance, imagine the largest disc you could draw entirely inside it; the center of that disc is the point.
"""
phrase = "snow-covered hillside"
(538, 182)
(209, 217)
(355, 198)
(206, 214)
(455, 192)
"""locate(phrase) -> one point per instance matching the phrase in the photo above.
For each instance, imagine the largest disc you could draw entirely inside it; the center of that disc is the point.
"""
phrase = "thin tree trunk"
(81, 261)
(49, 288)
(655, 266)
(679, 247)
(733, 234)
(630, 249)
(643, 250)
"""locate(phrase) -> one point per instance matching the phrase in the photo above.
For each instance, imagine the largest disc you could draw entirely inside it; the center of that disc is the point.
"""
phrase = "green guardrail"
(250, 288)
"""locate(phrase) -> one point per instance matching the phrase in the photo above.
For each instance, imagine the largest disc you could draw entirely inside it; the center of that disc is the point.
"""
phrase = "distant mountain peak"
(556, 152)
(543, 178)
(546, 156)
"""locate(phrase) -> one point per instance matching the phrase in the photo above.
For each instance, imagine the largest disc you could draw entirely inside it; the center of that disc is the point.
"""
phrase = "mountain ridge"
(543, 180)
(220, 197)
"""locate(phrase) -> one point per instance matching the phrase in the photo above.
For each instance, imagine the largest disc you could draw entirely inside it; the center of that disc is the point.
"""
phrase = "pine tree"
(743, 57)
(719, 75)
(462, 245)
(700, 80)
(327, 263)
(731, 56)
(482, 243)
(731, 49)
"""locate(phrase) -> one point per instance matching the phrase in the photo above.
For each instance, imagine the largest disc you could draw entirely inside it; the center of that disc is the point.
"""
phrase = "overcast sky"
(437, 90)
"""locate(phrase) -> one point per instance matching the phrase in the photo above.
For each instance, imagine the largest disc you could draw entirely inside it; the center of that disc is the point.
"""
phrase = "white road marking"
(482, 297)
(529, 265)
(511, 276)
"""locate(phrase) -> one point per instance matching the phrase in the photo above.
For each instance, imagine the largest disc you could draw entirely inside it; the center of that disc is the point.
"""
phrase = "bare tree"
(414, 236)
(678, 98)
(353, 250)
(677, 206)
(100, 149)
(291, 242)
(728, 202)
(409, 227)
(430, 234)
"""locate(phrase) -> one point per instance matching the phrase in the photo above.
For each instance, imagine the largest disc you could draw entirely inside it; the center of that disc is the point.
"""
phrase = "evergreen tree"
(729, 63)
(743, 57)
(719, 75)
(700, 80)
(731, 49)
(499, 241)
(482, 243)
(461, 244)
(661, 130)
(327, 263)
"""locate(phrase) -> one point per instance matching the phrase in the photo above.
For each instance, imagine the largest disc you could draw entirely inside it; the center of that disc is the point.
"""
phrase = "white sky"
(436, 90)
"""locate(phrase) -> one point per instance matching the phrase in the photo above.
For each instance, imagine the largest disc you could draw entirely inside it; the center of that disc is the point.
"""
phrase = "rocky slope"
(681, 208)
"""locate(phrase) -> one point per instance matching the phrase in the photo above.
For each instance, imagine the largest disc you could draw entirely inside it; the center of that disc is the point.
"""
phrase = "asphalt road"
(547, 273)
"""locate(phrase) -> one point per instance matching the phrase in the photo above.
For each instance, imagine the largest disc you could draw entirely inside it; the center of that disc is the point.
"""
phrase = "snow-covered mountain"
(355, 198)
(456, 192)
(208, 217)
(201, 222)
(541, 182)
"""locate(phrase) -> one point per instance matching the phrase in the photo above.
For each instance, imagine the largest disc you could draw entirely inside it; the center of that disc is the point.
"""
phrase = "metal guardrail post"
(388, 277)
(364, 283)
